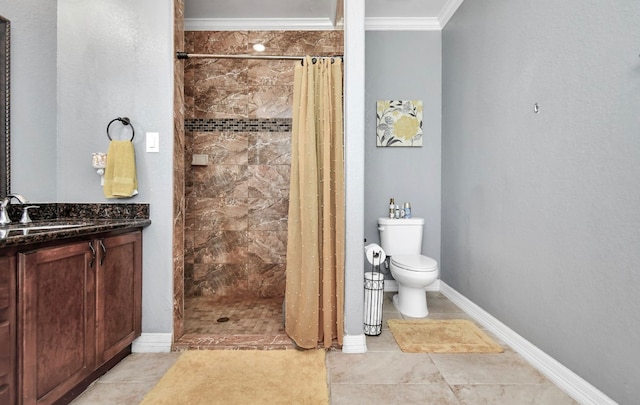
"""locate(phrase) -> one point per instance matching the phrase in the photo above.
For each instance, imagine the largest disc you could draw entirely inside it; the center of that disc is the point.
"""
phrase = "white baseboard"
(354, 344)
(153, 343)
(565, 379)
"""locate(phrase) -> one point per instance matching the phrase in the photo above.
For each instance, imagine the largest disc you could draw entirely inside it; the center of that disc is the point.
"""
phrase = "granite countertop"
(60, 221)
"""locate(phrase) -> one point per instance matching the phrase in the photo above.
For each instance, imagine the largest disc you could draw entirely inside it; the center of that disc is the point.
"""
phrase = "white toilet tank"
(401, 236)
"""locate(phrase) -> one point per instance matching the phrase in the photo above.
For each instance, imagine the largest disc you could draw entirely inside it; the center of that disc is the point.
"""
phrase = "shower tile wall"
(238, 112)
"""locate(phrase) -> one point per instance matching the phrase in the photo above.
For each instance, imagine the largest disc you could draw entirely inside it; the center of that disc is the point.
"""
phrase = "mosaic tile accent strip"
(237, 124)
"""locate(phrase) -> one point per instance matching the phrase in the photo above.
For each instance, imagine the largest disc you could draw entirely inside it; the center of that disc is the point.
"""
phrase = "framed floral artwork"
(399, 123)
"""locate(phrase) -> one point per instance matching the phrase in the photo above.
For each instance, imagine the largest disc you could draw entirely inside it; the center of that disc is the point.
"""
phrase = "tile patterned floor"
(383, 375)
(246, 324)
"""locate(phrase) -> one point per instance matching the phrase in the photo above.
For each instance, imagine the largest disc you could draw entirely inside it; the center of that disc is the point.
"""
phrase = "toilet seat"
(417, 263)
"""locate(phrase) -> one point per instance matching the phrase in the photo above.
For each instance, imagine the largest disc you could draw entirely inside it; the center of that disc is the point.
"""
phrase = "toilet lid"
(415, 263)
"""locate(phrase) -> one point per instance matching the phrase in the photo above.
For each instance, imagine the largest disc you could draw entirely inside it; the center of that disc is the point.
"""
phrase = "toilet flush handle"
(381, 228)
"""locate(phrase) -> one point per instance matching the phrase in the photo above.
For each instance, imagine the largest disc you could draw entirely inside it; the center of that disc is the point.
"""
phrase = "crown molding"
(402, 24)
(325, 24)
(448, 10)
(260, 24)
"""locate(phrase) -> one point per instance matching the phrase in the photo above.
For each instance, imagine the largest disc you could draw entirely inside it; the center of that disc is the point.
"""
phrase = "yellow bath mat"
(441, 336)
(204, 377)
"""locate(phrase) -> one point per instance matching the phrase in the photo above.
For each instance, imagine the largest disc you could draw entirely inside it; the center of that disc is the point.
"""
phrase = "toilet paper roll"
(370, 253)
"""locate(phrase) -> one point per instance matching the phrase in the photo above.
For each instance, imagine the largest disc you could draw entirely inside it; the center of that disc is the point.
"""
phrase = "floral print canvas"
(399, 123)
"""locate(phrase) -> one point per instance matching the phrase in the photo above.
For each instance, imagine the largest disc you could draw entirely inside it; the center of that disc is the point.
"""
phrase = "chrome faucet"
(4, 215)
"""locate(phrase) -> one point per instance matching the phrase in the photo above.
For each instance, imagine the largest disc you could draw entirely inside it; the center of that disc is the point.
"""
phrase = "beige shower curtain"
(315, 248)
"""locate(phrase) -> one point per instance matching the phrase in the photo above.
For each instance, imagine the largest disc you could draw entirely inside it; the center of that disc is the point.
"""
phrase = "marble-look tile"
(486, 368)
(267, 279)
(212, 73)
(221, 102)
(270, 101)
(384, 342)
(268, 246)
(222, 279)
(268, 181)
(220, 181)
(269, 148)
(180, 107)
(223, 214)
(270, 73)
(387, 304)
(141, 367)
(216, 42)
(438, 303)
(300, 42)
(223, 148)
(233, 342)
(189, 280)
(382, 368)
(268, 214)
(546, 394)
(246, 316)
(189, 247)
(220, 247)
(215, 194)
(120, 393)
(129, 381)
(178, 295)
(383, 394)
(377, 377)
(389, 315)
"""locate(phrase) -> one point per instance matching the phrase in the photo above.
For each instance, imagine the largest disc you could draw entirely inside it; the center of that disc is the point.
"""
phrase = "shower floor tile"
(231, 323)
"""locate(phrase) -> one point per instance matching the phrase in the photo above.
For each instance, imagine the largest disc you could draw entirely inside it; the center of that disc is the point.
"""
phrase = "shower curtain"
(315, 249)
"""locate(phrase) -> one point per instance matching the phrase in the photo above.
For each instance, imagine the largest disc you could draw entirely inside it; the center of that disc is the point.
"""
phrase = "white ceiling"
(315, 14)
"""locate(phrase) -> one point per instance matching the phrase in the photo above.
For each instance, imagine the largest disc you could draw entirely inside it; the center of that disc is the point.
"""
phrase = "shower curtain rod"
(185, 55)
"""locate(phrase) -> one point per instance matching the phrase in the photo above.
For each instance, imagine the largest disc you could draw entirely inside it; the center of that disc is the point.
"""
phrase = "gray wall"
(33, 97)
(540, 217)
(115, 59)
(404, 65)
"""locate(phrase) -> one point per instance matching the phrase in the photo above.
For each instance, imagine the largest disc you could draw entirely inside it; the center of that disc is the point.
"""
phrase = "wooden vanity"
(70, 307)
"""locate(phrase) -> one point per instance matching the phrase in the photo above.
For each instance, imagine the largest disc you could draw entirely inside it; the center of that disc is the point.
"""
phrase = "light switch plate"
(153, 142)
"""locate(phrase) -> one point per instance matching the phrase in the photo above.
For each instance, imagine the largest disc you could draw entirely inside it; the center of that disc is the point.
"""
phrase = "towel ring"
(125, 121)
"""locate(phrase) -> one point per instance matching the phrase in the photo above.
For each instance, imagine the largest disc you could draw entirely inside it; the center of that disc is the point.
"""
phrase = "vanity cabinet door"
(57, 320)
(7, 331)
(119, 293)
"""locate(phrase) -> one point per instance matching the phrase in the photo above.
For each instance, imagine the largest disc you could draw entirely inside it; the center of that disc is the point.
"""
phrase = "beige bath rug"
(204, 377)
(441, 336)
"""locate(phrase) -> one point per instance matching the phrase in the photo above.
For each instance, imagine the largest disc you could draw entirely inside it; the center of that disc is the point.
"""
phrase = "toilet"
(401, 239)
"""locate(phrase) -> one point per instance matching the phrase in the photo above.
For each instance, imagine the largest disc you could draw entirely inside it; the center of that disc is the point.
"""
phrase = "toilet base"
(411, 302)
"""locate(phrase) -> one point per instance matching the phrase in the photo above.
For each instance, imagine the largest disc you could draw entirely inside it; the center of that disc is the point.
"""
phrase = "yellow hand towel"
(120, 180)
